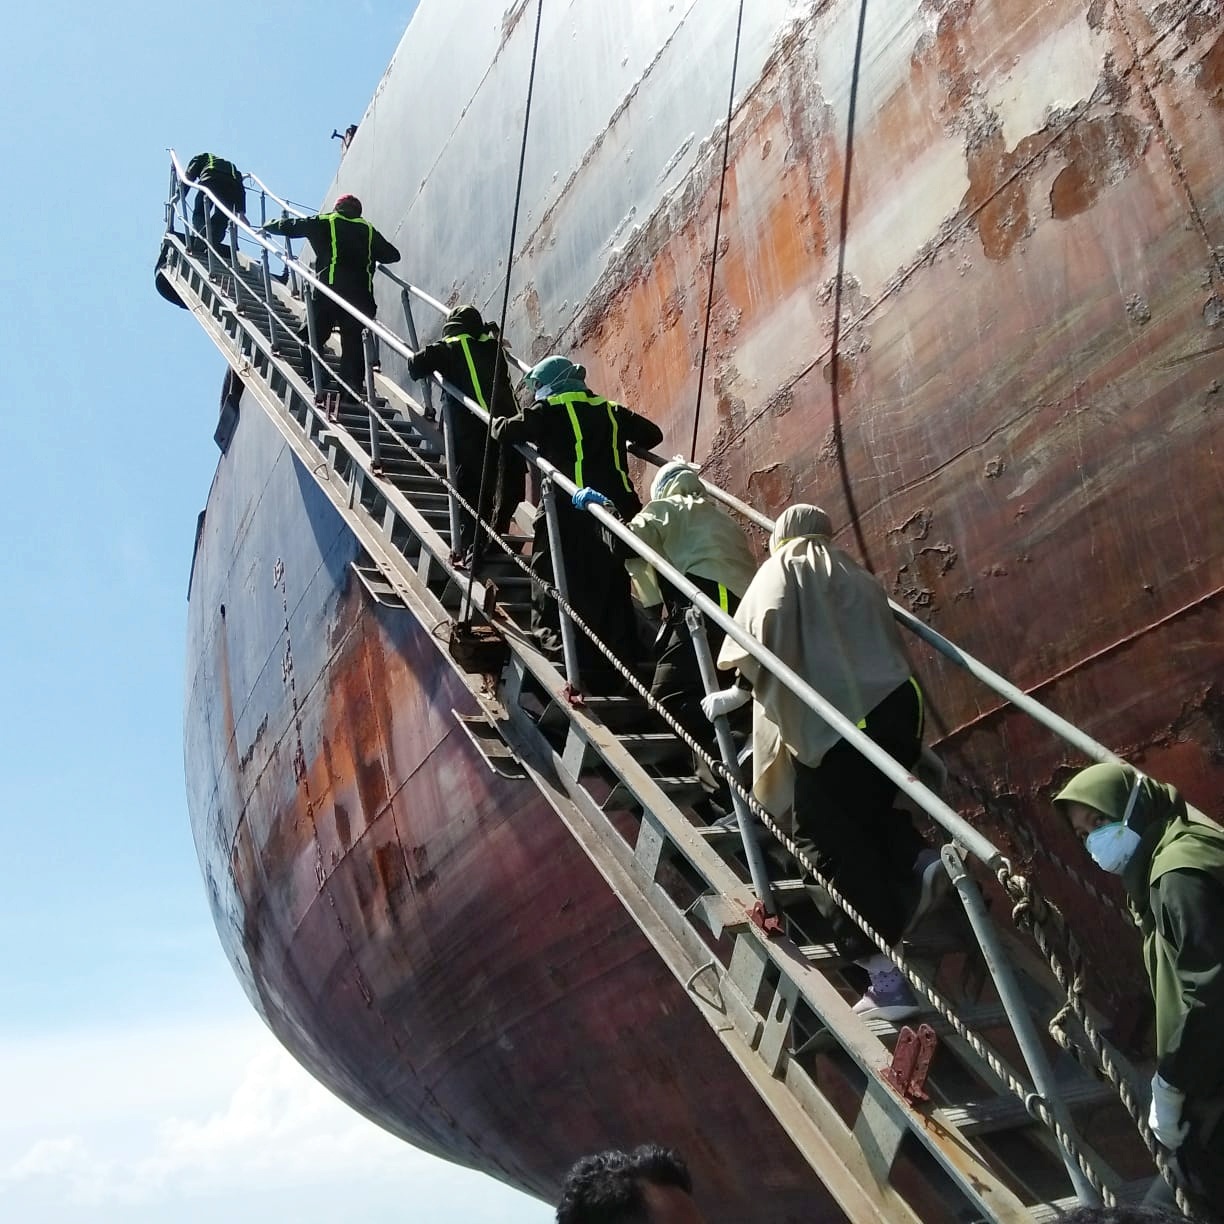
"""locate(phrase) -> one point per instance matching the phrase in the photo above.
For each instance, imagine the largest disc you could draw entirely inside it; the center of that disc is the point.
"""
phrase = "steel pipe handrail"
(978, 845)
(383, 333)
(905, 781)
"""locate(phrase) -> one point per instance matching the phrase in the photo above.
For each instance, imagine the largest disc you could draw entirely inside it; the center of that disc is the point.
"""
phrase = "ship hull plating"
(424, 935)
(968, 297)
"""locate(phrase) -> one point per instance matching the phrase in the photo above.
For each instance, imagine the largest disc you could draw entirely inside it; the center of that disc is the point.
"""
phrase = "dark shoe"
(933, 884)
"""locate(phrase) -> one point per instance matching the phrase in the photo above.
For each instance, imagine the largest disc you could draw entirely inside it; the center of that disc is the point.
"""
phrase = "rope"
(499, 358)
(722, 183)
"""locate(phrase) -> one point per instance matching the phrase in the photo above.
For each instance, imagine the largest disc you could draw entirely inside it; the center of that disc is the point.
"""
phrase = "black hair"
(607, 1188)
(1121, 1215)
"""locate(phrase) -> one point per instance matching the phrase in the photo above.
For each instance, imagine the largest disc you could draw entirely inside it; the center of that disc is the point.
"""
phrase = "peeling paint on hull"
(424, 935)
(981, 325)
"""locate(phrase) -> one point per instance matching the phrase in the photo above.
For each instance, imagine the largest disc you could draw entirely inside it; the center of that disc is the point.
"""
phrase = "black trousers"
(598, 591)
(1200, 1160)
(210, 220)
(863, 846)
(497, 476)
(329, 317)
(677, 678)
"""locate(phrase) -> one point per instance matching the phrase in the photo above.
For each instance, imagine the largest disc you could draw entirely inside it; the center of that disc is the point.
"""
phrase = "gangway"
(990, 1131)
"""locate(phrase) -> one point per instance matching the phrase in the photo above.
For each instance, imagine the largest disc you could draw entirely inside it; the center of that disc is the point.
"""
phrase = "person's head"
(1108, 808)
(553, 375)
(348, 206)
(798, 522)
(463, 320)
(650, 1185)
(1121, 1215)
(676, 476)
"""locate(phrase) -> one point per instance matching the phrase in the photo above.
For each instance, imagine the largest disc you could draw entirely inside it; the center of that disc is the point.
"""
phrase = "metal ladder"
(623, 785)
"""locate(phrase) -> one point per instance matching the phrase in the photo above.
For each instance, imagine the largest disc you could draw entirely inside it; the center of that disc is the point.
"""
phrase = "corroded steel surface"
(969, 296)
(424, 935)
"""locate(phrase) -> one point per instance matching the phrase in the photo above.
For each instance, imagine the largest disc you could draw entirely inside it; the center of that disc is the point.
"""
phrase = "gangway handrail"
(975, 842)
(1067, 731)
(969, 839)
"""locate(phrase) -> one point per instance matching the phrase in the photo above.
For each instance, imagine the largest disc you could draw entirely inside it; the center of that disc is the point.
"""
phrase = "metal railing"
(973, 841)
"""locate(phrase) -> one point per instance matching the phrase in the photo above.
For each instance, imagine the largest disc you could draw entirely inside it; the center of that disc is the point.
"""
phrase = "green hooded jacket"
(1175, 885)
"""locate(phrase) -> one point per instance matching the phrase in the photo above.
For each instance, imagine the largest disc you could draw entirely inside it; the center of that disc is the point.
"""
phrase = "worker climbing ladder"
(987, 1128)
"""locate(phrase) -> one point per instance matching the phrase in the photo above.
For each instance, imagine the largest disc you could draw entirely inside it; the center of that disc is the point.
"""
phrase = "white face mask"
(1111, 846)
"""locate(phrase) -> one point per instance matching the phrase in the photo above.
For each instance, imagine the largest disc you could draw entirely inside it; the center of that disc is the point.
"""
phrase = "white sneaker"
(889, 997)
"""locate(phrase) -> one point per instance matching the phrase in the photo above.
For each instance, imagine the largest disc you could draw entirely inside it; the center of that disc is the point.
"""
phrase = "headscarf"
(556, 374)
(1105, 788)
(668, 473)
(692, 531)
(829, 620)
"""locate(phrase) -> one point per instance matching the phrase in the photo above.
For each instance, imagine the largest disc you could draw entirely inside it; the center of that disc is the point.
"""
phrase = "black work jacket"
(346, 250)
(209, 168)
(586, 437)
(474, 364)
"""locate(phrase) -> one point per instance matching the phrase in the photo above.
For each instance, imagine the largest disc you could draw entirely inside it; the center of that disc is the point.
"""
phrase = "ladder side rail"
(787, 958)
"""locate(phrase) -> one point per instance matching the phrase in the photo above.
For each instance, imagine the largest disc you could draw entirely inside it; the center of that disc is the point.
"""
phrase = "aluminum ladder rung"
(606, 730)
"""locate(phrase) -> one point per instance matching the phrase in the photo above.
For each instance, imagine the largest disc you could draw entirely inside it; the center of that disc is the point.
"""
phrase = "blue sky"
(136, 1084)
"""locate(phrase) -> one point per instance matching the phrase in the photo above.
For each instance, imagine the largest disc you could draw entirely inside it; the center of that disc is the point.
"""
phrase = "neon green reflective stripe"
(568, 400)
(471, 365)
(615, 445)
(331, 270)
(723, 602)
(331, 218)
(211, 162)
(921, 712)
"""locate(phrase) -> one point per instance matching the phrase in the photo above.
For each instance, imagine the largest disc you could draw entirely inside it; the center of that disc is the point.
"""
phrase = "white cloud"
(170, 1122)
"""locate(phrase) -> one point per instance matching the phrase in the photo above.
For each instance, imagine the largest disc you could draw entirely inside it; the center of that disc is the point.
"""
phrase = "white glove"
(1165, 1116)
(714, 705)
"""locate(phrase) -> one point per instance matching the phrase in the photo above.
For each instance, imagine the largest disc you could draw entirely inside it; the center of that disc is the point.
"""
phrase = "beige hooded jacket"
(829, 620)
(692, 531)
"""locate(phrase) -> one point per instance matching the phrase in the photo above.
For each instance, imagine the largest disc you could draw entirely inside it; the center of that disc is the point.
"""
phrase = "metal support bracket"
(911, 1061)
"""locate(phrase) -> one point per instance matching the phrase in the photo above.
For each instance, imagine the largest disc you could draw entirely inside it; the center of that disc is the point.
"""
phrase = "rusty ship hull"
(968, 296)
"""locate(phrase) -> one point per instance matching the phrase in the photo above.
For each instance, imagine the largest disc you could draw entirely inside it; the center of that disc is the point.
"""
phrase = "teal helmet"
(554, 374)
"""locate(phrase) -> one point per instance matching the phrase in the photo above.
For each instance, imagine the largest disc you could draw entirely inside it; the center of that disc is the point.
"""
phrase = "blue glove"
(590, 497)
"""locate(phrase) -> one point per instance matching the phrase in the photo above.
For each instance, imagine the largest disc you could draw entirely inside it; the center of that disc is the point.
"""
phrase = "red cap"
(348, 206)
